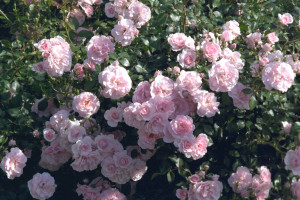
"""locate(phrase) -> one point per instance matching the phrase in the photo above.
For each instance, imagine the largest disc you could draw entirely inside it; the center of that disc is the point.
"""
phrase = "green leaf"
(161, 19)
(71, 25)
(113, 56)
(216, 3)
(252, 103)
(140, 69)
(75, 22)
(86, 34)
(155, 175)
(170, 176)
(15, 86)
(3, 139)
(125, 62)
(247, 91)
(14, 112)
(174, 17)
(178, 161)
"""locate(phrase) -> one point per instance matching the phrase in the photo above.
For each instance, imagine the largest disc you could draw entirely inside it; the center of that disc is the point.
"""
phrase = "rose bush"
(158, 99)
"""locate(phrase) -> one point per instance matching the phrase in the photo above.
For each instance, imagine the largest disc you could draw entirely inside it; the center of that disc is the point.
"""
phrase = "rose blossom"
(112, 194)
(186, 145)
(124, 32)
(292, 161)
(240, 99)
(42, 186)
(49, 134)
(278, 75)
(139, 13)
(234, 57)
(138, 169)
(296, 188)
(177, 41)
(190, 43)
(182, 125)
(77, 72)
(190, 81)
(146, 111)
(131, 114)
(211, 51)
(272, 38)
(200, 146)
(162, 86)
(261, 183)
(147, 139)
(181, 193)
(207, 103)
(187, 58)
(207, 190)
(142, 92)
(115, 80)
(87, 8)
(286, 126)
(76, 13)
(13, 163)
(98, 48)
(233, 27)
(253, 38)
(122, 159)
(223, 76)
(285, 18)
(60, 121)
(157, 123)
(267, 47)
(110, 10)
(75, 132)
(86, 104)
(87, 192)
(163, 105)
(241, 180)
(113, 116)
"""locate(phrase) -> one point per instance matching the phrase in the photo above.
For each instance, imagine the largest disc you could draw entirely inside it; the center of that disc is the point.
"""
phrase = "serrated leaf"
(252, 103)
(125, 62)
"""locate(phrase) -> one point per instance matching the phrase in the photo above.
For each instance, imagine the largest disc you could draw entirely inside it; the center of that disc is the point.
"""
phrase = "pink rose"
(113, 116)
(187, 58)
(131, 116)
(200, 146)
(78, 72)
(49, 134)
(182, 125)
(142, 92)
(252, 39)
(87, 162)
(76, 13)
(147, 139)
(112, 194)
(261, 183)
(157, 123)
(190, 43)
(211, 51)
(207, 190)
(181, 193)
(124, 32)
(234, 57)
(241, 180)
(177, 41)
(267, 47)
(139, 13)
(86, 104)
(163, 105)
(87, 8)
(292, 161)
(278, 75)
(138, 169)
(42, 186)
(75, 132)
(162, 86)
(98, 48)
(296, 188)
(146, 111)
(108, 167)
(207, 103)
(115, 80)
(272, 38)
(13, 163)
(194, 178)
(189, 81)
(122, 159)
(285, 19)
(286, 126)
(240, 99)
(60, 121)
(87, 192)
(223, 76)
(110, 10)
(233, 28)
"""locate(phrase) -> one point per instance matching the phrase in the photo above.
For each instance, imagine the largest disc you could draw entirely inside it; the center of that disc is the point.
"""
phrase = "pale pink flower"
(107, 143)
(142, 92)
(168, 135)
(240, 99)
(241, 180)
(275, 56)
(12, 143)
(194, 178)
(207, 103)
(35, 133)
(272, 38)
(87, 162)
(146, 111)
(76, 13)
(139, 13)
(51, 108)
(187, 58)
(82, 147)
(110, 10)
(205, 190)
(285, 18)
(108, 167)
(120, 6)
(181, 193)
(138, 169)
(223, 76)
(186, 145)
(13, 163)
(176, 70)
(184, 105)
(75, 132)
(112, 194)
(98, 49)
(190, 81)
(296, 188)
(227, 36)
(115, 80)
(234, 57)
(78, 72)
(261, 183)
(252, 39)
(232, 27)
(157, 123)
(87, 8)
(57, 57)
(190, 43)
(278, 75)
(147, 139)
(131, 114)
(124, 32)
(42, 186)
(292, 161)
(89, 64)
(200, 146)
(177, 41)
(211, 51)
(38, 67)
(122, 159)
(49, 134)
(157, 73)
(163, 105)
(86, 104)
(182, 125)
(60, 121)
(113, 116)
(267, 47)
(87, 192)
(286, 126)
(162, 86)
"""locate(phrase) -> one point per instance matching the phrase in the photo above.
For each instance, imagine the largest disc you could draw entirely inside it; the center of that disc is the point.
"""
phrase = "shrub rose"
(86, 104)
(98, 48)
(187, 58)
(285, 18)
(42, 186)
(177, 41)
